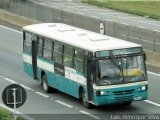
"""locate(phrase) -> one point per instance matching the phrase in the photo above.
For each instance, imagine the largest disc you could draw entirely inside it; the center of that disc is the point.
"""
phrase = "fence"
(47, 13)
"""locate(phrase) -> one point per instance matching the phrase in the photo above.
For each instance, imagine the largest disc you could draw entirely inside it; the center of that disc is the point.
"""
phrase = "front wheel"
(127, 103)
(85, 103)
(45, 86)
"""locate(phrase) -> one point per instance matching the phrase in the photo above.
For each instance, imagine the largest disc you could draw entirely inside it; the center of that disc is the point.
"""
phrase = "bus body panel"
(28, 68)
(104, 100)
(121, 94)
(48, 69)
(27, 65)
(68, 86)
(54, 80)
(71, 87)
(62, 66)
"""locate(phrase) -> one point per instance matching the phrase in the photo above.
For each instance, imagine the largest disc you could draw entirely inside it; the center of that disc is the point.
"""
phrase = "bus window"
(47, 44)
(40, 45)
(47, 49)
(78, 65)
(79, 54)
(27, 42)
(58, 47)
(68, 56)
(57, 52)
(79, 60)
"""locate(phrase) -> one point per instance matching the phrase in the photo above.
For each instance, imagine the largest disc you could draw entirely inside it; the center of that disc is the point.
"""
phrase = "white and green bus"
(94, 68)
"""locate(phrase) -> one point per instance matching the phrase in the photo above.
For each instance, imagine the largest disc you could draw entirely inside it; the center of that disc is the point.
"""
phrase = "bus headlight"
(104, 93)
(143, 88)
(101, 93)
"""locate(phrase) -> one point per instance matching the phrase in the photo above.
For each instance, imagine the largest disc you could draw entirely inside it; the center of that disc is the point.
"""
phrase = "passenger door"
(34, 55)
(90, 78)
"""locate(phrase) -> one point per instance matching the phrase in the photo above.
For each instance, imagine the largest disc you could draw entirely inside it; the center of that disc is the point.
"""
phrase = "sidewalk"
(153, 58)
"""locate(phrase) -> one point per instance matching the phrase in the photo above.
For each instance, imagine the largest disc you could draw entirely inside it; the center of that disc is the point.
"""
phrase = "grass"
(6, 115)
(143, 8)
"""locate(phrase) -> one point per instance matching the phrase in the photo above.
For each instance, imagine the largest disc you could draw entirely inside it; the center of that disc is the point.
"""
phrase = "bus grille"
(123, 92)
(124, 98)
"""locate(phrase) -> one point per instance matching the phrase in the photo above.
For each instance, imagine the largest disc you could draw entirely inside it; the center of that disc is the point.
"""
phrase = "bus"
(95, 68)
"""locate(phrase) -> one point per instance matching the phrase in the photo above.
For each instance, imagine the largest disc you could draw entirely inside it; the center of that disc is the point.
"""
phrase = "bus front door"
(90, 77)
(34, 58)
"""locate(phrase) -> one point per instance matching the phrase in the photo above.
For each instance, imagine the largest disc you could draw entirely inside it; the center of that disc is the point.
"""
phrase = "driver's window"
(108, 69)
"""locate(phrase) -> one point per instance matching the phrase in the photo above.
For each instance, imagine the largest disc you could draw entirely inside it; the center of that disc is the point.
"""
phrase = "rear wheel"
(45, 86)
(85, 103)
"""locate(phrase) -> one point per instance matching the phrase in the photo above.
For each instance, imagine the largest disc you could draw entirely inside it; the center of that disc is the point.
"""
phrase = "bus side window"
(47, 49)
(79, 61)
(40, 46)
(27, 42)
(57, 52)
(68, 56)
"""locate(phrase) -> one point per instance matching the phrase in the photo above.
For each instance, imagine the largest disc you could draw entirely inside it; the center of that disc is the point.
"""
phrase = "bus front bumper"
(112, 99)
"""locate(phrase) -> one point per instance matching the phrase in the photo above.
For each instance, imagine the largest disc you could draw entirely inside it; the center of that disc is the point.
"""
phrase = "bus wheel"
(45, 86)
(85, 103)
(127, 103)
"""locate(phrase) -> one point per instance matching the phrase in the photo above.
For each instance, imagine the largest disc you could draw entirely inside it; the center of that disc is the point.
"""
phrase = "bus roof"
(78, 37)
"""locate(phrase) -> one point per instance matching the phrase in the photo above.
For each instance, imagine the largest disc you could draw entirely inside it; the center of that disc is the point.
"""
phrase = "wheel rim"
(45, 85)
(84, 98)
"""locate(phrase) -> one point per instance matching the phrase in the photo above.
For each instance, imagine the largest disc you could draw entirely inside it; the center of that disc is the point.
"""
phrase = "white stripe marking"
(153, 73)
(17, 112)
(10, 29)
(39, 93)
(9, 80)
(28, 88)
(65, 104)
(153, 103)
(89, 114)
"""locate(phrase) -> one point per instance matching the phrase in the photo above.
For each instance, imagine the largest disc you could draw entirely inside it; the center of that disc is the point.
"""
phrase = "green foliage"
(143, 8)
(4, 114)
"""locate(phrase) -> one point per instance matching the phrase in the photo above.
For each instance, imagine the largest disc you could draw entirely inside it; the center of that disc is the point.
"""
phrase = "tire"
(127, 103)
(85, 103)
(45, 86)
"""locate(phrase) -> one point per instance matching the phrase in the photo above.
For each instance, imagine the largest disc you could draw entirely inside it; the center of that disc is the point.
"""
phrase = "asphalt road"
(40, 105)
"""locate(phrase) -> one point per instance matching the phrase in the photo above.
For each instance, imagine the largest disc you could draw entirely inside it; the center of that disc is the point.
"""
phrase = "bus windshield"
(121, 70)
